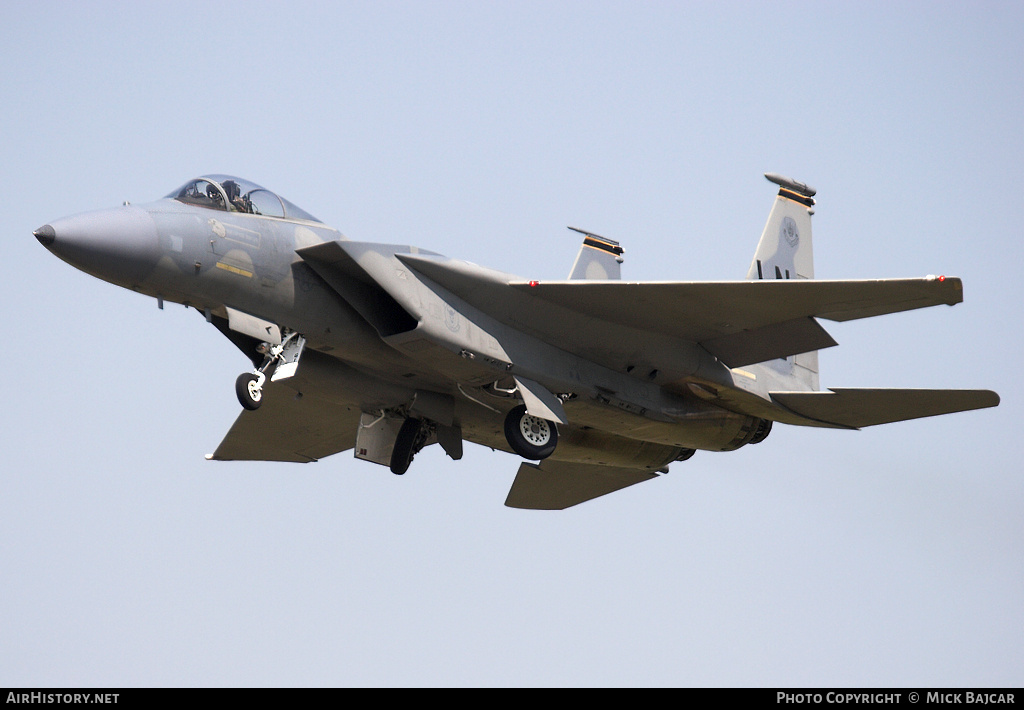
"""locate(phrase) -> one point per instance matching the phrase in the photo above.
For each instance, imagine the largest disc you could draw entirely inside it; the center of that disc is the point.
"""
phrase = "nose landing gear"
(249, 388)
(284, 357)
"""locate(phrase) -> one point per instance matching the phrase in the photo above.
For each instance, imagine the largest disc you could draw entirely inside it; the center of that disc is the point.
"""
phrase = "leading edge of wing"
(557, 485)
(289, 427)
(725, 307)
(861, 407)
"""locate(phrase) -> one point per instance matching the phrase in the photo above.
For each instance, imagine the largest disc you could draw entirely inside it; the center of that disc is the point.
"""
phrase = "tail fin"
(599, 258)
(785, 252)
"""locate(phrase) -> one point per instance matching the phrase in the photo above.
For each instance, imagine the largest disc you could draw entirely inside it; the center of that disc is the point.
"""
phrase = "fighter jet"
(597, 382)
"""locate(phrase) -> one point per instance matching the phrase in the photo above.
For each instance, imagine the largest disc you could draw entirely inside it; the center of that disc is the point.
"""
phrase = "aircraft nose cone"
(45, 235)
(118, 245)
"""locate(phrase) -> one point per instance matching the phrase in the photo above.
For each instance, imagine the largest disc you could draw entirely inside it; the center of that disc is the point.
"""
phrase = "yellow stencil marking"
(234, 269)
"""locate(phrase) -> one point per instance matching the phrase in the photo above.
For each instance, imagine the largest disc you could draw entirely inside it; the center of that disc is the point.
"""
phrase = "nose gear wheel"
(249, 388)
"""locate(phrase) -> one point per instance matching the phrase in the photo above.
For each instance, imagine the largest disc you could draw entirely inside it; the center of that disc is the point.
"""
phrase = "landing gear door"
(289, 359)
(376, 437)
(251, 325)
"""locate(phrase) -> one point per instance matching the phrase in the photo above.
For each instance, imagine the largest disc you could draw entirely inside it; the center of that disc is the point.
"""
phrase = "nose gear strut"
(285, 358)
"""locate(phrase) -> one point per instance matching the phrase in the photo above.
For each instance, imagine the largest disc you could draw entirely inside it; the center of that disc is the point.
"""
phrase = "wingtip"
(952, 285)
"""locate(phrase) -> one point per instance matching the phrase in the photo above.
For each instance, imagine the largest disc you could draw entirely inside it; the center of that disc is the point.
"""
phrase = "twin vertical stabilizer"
(785, 252)
(599, 258)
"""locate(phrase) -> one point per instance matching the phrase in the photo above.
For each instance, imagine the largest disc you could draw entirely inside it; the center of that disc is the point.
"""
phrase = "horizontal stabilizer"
(856, 408)
(556, 485)
(289, 427)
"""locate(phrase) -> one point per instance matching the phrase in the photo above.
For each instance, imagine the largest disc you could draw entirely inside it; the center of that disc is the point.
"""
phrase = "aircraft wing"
(289, 428)
(556, 485)
(745, 322)
(746, 304)
(740, 322)
(861, 407)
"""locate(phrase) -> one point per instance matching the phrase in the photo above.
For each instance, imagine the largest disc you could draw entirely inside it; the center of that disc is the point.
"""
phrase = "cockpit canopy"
(231, 194)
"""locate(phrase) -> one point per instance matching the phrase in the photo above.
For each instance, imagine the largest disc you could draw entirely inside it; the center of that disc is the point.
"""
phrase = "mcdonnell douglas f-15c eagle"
(385, 349)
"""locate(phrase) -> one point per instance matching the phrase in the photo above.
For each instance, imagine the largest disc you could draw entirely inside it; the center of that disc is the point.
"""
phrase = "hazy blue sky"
(892, 556)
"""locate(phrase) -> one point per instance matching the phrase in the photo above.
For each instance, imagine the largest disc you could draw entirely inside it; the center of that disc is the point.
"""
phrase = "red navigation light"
(534, 283)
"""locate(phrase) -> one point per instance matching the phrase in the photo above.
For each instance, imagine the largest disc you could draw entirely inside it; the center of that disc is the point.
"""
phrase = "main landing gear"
(285, 359)
(411, 438)
(529, 436)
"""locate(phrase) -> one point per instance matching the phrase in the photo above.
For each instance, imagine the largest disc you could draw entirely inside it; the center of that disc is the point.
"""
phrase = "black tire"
(405, 446)
(762, 431)
(529, 436)
(249, 396)
(685, 454)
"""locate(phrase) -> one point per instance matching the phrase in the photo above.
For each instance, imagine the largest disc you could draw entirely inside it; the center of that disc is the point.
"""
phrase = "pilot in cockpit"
(213, 194)
(234, 193)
